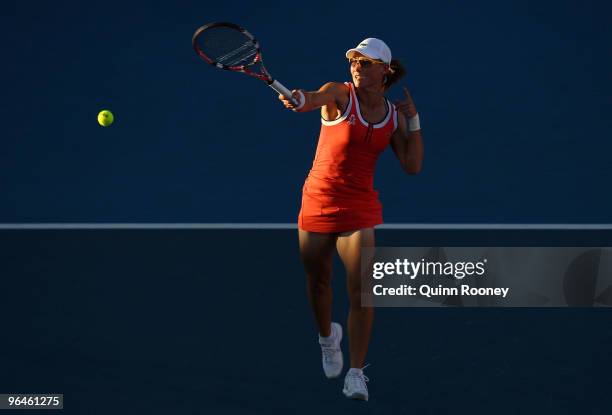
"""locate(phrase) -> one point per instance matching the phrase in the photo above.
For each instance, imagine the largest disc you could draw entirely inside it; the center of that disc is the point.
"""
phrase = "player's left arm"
(408, 145)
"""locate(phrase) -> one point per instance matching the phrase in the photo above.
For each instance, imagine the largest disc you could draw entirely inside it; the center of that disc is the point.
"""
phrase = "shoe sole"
(334, 376)
(359, 396)
(337, 375)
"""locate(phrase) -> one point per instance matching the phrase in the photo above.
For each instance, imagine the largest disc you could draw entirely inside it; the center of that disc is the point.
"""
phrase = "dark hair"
(396, 75)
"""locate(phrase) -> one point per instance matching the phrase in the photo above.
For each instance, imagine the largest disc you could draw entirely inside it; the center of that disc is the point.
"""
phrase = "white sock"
(355, 370)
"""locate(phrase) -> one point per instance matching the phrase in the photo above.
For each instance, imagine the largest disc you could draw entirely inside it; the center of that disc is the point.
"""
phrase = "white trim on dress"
(347, 111)
(364, 122)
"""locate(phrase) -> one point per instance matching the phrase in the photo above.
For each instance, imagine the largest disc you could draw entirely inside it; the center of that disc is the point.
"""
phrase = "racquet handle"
(280, 88)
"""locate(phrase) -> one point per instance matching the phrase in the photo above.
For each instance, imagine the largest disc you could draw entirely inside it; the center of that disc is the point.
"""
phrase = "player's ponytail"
(396, 75)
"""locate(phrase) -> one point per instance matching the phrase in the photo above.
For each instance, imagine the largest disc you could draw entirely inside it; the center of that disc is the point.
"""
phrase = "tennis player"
(339, 204)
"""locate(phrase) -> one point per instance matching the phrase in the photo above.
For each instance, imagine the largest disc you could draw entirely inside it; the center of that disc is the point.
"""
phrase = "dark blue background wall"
(513, 96)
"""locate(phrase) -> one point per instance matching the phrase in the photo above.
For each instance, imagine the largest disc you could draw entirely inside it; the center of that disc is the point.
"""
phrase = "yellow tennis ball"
(105, 118)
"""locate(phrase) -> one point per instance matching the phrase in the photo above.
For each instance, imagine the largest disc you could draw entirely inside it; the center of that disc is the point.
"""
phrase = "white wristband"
(414, 123)
(302, 101)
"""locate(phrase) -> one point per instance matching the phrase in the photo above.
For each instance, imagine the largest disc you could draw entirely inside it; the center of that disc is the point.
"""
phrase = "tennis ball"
(105, 118)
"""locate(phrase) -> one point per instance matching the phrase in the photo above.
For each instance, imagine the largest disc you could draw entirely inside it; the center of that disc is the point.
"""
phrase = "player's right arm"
(330, 97)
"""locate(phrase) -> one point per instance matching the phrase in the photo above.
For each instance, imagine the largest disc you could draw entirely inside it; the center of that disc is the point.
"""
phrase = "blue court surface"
(197, 321)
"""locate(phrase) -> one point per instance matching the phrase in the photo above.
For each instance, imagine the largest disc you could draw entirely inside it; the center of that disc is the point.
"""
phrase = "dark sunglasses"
(365, 63)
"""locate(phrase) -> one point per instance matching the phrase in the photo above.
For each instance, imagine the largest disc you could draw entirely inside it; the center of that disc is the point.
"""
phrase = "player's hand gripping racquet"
(229, 46)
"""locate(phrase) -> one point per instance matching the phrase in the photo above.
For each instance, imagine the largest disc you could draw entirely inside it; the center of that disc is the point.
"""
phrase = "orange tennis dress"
(338, 194)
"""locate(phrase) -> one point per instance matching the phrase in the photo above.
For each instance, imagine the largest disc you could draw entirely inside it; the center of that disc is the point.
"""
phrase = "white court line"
(265, 226)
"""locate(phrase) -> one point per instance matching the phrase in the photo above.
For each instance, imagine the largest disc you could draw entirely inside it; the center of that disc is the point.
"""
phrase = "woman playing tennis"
(339, 204)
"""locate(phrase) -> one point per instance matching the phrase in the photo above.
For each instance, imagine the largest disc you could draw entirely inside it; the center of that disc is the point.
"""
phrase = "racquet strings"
(227, 46)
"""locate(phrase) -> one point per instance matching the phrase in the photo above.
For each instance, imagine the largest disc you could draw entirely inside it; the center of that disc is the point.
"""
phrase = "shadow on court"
(217, 322)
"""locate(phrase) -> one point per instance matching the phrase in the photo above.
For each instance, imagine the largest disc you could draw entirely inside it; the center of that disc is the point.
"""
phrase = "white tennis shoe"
(355, 384)
(331, 352)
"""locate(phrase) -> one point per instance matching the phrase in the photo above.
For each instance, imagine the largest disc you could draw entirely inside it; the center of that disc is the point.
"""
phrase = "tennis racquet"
(229, 46)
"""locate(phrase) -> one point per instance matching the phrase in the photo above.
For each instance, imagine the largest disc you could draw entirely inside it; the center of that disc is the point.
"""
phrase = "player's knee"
(319, 282)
